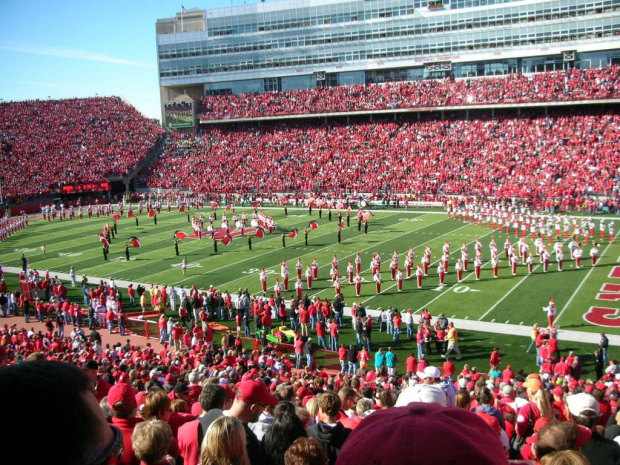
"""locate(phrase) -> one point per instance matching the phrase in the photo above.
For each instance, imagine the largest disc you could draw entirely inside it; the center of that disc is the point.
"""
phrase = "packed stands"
(534, 157)
(51, 143)
(559, 86)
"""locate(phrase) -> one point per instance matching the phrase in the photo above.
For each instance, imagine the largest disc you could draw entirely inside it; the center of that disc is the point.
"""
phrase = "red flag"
(214, 205)
(330, 205)
(116, 217)
(283, 200)
(130, 214)
(360, 214)
(151, 213)
(260, 233)
(255, 204)
(229, 206)
(313, 225)
(104, 241)
(320, 203)
(182, 208)
(135, 242)
(342, 223)
(179, 235)
(226, 240)
(367, 216)
(311, 200)
(339, 206)
(293, 234)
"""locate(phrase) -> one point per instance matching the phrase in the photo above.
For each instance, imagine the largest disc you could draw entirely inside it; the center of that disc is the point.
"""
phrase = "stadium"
(345, 205)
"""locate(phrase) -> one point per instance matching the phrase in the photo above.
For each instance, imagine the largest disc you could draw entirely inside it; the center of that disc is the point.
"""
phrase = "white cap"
(426, 393)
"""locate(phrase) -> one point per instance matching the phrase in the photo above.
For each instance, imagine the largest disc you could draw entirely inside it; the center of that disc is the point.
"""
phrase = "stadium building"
(296, 44)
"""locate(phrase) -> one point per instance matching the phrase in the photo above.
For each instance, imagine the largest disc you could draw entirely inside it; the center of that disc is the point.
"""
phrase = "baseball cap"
(424, 393)
(533, 384)
(429, 372)
(255, 392)
(121, 397)
(408, 432)
(582, 403)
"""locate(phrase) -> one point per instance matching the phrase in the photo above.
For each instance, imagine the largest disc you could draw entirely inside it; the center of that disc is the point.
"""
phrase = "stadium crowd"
(201, 402)
(569, 85)
(74, 141)
(532, 157)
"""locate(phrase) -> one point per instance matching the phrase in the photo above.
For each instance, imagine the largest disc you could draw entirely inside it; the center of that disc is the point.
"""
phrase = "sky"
(82, 48)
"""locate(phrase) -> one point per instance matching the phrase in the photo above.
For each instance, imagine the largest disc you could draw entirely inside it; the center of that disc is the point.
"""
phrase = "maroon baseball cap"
(416, 431)
(255, 392)
(121, 397)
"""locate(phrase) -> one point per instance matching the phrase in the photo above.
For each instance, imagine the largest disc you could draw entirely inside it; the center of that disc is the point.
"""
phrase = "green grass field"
(514, 299)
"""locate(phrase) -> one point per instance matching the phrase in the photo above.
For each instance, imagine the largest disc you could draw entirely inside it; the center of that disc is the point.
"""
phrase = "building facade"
(293, 44)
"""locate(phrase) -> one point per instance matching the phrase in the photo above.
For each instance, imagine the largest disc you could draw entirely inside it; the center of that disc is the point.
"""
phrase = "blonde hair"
(312, 406)
(150, 440)
(541, 400)
(224, 443)
(565, 457)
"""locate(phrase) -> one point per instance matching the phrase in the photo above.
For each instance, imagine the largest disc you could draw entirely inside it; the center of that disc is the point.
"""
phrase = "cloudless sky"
(79, 48)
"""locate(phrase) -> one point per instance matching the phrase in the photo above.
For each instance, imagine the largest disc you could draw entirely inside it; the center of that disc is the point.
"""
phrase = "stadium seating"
(570, 85)
(534, 156)
(49, 143)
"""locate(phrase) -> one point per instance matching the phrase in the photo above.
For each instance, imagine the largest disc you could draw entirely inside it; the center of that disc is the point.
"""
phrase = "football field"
(587, 299)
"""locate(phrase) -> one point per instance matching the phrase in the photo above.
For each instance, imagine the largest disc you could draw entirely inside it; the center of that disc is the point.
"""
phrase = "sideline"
(483, 326)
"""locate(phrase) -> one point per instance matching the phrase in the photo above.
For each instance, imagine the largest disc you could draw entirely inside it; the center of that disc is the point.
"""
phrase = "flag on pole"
(255, 204)
(226, 240)
(135, 242)
(229, 206)
(313, 225)
(293, 234)
(183, 10)
(116, 217)
(214, 205)
(178, 234)
(104, 241)
(260, 233)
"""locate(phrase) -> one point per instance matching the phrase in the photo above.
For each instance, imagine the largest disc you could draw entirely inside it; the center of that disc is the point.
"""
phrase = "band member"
(335, 262)
(277, 288)
(477, 267)
(309, 276)
(530, 263)
(594, 253)
(315, 268)
(393, 268)
(545, 256)
(358, 285)
(459, 270)
(550, 309)
(559, 256)
(577, 255)
(441, 271)
(299, 288)
(408, 266)
(299, 266)
(419, 273)
(426, 260)
(284, 274)
(358, 263)
(399, 279)
(336, 284)
(350, 270)
(495, 265)
(263, 280)
(514, 261)
(377, 279)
